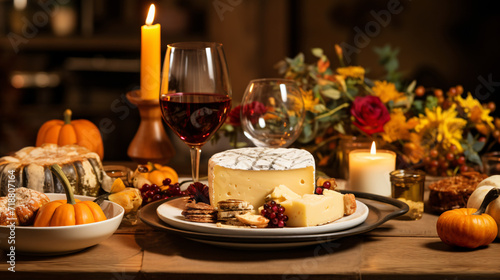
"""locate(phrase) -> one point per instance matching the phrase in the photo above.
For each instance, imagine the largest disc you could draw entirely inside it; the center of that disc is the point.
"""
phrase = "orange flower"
(309, 100)
(355, 72)
(387, 91)
(413, 150)
(323, 65)
(338, 50)
(397, 128)
(483, 128)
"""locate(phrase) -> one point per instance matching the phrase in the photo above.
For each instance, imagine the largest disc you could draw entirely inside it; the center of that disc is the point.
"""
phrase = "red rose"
(253, 110)
(233, 118)
(370, 114)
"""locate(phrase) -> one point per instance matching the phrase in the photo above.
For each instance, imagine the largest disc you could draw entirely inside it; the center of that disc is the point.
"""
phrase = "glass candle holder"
(347, 144)
(369, 172)
(491, 163)
(408, 186)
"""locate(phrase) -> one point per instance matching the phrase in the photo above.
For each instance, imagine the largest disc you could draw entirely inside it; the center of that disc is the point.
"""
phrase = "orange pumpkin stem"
(67, 116)
(56, 169)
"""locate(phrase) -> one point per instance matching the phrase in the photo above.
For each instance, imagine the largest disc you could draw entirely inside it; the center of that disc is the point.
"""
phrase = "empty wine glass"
(272, 112)
(195, 94)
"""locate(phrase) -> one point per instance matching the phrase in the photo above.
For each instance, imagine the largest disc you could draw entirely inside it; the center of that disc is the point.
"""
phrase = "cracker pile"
(200, 212)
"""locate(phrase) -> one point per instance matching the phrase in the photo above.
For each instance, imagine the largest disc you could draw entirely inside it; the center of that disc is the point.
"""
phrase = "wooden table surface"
(396, 250)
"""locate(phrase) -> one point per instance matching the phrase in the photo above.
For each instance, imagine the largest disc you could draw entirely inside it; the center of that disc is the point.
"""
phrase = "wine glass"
(195, 94)
(272, 112)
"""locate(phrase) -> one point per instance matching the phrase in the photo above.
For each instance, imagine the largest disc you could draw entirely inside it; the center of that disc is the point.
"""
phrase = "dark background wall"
(441, 43)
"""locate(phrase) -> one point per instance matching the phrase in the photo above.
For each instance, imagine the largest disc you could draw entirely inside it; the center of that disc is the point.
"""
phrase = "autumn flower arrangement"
(441, 132)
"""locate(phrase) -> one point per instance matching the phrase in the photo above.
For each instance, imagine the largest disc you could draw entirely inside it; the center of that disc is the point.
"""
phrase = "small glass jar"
(119, 171)
(408, 186)
(491, 163)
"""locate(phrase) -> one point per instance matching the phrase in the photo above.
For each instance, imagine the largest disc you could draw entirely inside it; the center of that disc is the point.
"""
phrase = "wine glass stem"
(195, 162)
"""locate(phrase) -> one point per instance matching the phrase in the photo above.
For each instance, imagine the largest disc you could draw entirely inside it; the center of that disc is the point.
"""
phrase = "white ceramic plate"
(62, 240)
(170, 213)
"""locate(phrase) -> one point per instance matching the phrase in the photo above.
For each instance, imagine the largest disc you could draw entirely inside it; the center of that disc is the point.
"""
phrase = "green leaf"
(353, 91)
(331, 93)
(339, 127)
(298, 60)
(320, 108)
(474, 157)
(478, 146)
(431, 102)
(392, 65)
(470, 138)
(419, 106)
(317, 52)
(350, 83)
(316, 91)
(411, 87)
(307, 134)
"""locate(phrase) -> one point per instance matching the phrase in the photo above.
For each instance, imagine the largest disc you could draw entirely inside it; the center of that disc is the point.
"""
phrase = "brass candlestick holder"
(150, 143)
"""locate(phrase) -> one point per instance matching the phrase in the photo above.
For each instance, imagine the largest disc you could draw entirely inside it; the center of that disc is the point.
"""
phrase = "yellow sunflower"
(387, 91)
(475, 110)
(356, 72)
(397, 128)
(441, 126)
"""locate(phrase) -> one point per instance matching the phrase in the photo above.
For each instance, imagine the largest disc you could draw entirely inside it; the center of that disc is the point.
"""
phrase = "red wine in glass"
(194, 117)
(195, 94)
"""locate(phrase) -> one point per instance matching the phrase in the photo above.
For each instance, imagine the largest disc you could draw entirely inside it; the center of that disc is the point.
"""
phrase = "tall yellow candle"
(369, 170)
(150, 57)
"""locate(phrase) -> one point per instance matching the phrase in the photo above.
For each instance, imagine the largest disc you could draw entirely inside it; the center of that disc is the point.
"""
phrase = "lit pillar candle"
(150, 57)
(369, 170)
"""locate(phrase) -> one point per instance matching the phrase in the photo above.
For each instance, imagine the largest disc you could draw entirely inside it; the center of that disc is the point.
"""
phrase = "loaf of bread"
(21, 207)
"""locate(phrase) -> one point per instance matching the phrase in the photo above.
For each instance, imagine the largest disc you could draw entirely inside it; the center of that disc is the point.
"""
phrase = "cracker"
(199, 206)
(221, 215)
(234, 204)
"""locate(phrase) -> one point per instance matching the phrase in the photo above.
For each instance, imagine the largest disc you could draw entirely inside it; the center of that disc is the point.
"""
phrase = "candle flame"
(373, 149)
(151, 15)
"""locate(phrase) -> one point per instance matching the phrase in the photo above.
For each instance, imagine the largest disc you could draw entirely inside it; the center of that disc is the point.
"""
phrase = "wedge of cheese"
(312, 209)
(252, 173)
(282, 193)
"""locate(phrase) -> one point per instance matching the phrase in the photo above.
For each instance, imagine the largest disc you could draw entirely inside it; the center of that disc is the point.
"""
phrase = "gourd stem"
(56, 169)
(489, 197)
(67, 116)
(153, 167)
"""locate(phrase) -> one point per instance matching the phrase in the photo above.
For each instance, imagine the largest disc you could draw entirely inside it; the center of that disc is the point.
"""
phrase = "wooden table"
(396, 250)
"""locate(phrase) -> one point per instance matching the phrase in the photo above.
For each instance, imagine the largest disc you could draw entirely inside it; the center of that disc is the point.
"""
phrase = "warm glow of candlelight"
(151, 15)
(369, 170)
(373, 150)
(150, 57)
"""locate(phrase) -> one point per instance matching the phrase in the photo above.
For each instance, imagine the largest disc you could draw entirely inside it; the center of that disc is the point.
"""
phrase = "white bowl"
(64, 239)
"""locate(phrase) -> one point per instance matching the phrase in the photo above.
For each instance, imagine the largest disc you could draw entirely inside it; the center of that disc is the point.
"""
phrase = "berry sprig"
(275, 213)
(326, 185)
(440, 162)
(154, 192)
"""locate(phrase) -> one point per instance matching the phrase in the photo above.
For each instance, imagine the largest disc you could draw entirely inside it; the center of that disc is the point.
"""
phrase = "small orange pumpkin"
(70, 212)
(155, 173)
(468, 227)
(67, 132)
